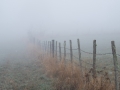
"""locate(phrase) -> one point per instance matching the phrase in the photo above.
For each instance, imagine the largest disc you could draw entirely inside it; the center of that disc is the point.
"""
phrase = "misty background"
(60, 20)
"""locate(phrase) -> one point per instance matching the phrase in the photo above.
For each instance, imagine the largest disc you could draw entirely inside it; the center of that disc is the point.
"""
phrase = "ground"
(22, 71)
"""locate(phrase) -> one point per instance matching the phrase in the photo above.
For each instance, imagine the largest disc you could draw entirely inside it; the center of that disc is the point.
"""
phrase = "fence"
(54, 49)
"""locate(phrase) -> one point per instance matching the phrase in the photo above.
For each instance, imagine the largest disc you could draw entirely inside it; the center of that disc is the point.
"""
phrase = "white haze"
(61, 20)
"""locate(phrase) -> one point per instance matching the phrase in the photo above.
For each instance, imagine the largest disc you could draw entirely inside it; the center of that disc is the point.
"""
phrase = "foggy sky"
(56, 18)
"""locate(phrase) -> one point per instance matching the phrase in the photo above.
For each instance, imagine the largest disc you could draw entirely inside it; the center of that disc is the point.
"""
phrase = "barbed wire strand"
(91, 52)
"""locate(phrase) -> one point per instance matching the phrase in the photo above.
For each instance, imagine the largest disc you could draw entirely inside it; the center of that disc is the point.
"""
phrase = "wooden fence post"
(115, 65)
(64, 51)
(44, 47)
(94, 58)
(50, 48)
(60, 51)
(79, 53)
(53, 48)
(47, 47)
(56, 49)
(71, 53)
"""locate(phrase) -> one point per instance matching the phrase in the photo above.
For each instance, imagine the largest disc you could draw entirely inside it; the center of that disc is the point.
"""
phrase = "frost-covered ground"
(19, 70)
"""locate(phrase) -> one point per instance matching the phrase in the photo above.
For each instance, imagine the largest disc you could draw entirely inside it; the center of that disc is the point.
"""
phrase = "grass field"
(22, 70)
(30, 70)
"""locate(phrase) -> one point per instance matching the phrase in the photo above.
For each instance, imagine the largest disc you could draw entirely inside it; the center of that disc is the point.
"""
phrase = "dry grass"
(69, 77)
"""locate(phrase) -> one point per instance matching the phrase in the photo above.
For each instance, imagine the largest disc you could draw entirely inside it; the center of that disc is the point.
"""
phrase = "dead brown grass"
(69, 77)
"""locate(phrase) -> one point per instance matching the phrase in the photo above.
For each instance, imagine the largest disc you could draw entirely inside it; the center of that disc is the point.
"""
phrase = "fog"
(60, 20)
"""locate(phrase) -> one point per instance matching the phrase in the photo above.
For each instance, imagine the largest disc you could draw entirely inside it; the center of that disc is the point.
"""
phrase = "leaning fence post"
(115, 65)
(79, 53)
(64, 51)
(71, 53)
(94, 58)
(60, 51)
(53, 48)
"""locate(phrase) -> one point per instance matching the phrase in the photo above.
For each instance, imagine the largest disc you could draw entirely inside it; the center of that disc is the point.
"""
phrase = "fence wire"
(83, 52)
(88, 52)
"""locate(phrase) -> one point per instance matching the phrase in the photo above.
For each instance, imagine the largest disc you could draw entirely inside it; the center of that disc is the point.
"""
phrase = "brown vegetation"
(69, 76)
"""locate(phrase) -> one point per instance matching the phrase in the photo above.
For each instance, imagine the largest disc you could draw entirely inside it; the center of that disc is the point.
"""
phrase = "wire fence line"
(56, 49)
(89, 52)
(89, 63)
(99, 53)
(85, 52)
